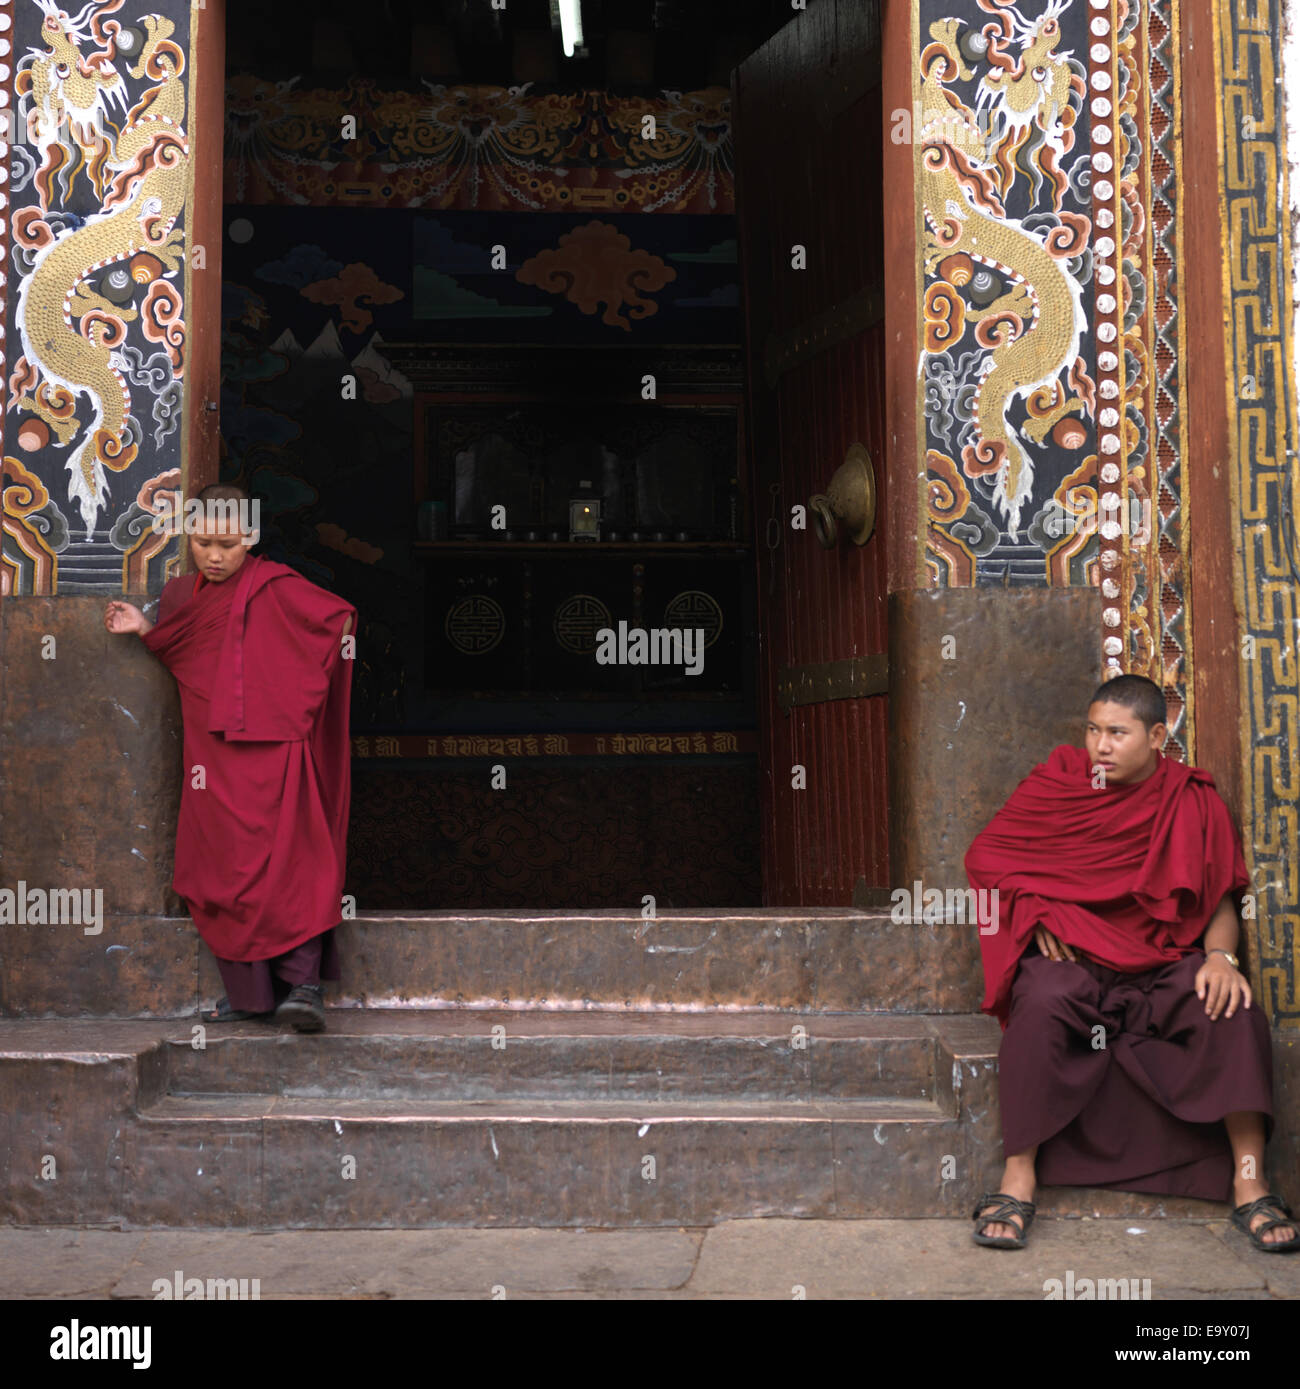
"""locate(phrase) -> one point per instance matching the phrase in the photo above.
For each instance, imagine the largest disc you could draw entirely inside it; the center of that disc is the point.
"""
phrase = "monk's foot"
(1244, 1194)
(1018, 1182)
(223, 1012)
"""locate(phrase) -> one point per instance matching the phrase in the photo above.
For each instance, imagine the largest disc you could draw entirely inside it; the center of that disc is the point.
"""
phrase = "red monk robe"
(1130, 875)
(261, 847)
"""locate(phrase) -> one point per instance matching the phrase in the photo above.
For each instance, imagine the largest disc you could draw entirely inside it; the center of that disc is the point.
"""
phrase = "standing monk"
(1131, 1056)
(261, 842)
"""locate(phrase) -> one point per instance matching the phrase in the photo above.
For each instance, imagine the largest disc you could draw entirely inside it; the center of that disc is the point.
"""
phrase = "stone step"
(245, 1108)
(807, 960)
(297, 1163)
(471, 1055)
(401, 1119)
(820, 960)
(145, 1130)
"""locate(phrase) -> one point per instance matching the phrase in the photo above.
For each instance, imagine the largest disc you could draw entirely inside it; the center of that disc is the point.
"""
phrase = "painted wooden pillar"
(113, 244)
(200, 459)
(1256, 392)
(1091, 395)
(111, 261)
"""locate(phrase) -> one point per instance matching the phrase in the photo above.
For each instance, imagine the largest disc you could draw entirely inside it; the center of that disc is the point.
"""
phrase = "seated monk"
(1132, 1057)
(261, 841)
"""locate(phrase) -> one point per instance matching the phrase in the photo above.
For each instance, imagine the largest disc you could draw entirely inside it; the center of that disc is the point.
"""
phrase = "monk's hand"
(124, 618)
(1053, 948)
(1219, 984)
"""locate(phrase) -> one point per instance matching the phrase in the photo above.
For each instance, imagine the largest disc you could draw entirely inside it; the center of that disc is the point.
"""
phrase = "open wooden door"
(808, 114)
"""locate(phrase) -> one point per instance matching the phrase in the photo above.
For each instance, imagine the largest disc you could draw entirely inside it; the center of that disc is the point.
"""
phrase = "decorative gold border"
(1263, 810)
(1147, 556)
(695, 743)
(1174, 144)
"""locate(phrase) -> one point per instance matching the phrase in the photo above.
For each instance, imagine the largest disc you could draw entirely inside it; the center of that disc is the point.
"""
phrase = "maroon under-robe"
(261, 846)
(1129, 875)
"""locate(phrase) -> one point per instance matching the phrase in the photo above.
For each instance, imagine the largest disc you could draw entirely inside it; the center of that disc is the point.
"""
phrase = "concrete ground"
(738, 1259)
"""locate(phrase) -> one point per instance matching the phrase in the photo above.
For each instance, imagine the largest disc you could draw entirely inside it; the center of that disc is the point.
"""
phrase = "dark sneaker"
(304, 1008)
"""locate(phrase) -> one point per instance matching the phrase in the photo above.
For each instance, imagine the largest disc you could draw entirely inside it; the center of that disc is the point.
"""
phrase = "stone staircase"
(538, 1069)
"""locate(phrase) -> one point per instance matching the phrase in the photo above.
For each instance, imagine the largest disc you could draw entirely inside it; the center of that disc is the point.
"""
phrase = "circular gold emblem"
(475, 624)
(577, 620)
(696, 609)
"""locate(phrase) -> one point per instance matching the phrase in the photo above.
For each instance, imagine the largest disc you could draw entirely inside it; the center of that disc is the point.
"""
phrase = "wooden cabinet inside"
(505, 440)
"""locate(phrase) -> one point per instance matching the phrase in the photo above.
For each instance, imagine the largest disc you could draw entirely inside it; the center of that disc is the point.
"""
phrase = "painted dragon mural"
(85, 273)
(1004, 253)
(478, 147)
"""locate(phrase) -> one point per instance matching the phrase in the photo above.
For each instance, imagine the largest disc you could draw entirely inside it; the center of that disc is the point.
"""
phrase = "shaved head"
(223, 529)
(1137, 694)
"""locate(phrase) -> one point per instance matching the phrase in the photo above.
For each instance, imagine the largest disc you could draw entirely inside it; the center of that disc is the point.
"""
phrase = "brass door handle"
(850, 498)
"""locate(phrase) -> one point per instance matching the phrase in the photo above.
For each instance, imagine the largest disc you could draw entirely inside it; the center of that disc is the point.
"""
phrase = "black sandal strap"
(1271, 1205)
(221, 1011)
(1009, 1207)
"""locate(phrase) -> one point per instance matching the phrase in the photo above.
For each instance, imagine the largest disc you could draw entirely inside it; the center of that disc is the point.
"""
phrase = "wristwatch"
(1227, 955)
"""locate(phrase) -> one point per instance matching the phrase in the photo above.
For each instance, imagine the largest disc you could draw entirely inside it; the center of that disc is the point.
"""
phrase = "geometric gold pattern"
(1262, 436)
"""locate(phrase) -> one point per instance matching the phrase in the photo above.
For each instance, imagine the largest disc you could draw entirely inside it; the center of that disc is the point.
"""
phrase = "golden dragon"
(67, 328)
(967, 164)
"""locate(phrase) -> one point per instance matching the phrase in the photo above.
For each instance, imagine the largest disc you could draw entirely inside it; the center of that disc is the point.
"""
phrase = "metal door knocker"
(849, 500)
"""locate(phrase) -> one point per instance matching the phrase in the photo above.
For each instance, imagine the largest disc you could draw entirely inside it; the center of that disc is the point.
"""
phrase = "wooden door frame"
(201, 425)
(905, 470)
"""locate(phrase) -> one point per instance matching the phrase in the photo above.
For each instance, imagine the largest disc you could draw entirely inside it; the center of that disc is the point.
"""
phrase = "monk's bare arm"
(1222, 932)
